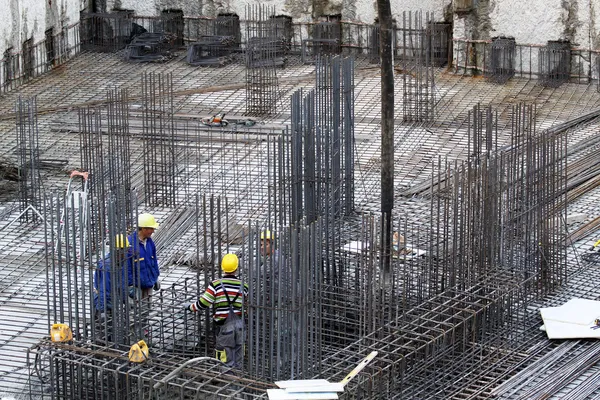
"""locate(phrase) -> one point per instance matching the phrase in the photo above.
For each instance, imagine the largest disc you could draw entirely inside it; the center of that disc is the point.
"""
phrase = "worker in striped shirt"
(227, 296)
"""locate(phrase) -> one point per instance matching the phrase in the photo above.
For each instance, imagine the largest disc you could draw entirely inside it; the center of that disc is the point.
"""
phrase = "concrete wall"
(529, 21)
(26, 19)
(533, 21)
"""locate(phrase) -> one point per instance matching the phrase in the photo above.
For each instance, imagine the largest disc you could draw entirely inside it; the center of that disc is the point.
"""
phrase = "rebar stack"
(211, 51)
(28, 152)
(151, 47)
(416, 63)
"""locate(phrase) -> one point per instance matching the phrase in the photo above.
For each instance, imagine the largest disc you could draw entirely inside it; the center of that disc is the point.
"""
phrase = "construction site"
(224, 127)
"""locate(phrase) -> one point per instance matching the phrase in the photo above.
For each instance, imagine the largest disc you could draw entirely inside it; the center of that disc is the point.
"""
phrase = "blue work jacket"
(144, 272)
(105, 276)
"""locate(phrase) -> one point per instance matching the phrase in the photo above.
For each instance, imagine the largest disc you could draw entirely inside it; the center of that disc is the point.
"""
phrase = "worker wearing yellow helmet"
(266, 243)
(227, 297)
(145, 271)
(111, 274)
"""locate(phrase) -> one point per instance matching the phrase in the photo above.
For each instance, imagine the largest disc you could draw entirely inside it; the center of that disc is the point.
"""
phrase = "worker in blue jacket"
(144, 272)
(111, 283)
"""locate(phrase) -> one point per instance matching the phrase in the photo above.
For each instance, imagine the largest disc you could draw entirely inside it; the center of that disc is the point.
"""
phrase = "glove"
(188, 307)
(156, 286)
(135, 293)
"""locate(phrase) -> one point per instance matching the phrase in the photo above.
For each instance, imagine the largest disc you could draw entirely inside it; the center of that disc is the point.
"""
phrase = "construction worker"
(227, 297)
(271, 261)
(144, 272)
(110, 283)
(278, 293)
(398, 245)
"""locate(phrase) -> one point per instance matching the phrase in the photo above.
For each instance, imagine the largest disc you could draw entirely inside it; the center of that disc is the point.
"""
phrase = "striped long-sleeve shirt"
(214, 296)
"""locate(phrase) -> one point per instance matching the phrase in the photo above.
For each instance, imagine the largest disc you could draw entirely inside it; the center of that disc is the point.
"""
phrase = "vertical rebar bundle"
(159, 139)
(28, 152)
(105, 155)
(322, 143)
(264, 53)
(118, 158)
(416, 49)
(555, 63)
(502, 59)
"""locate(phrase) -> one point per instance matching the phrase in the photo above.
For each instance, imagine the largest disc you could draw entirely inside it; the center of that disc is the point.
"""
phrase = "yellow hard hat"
(266, 234)
(121, 241)
(61, 333)
(229, 263)
(147, 221)
(139, 352)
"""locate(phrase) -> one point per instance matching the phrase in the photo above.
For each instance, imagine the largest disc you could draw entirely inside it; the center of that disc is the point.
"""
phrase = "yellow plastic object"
(61, 333)
(139, 352)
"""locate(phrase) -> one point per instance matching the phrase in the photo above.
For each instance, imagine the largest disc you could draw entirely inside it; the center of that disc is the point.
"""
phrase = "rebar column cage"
(228, 24)
(598, 72)
(106, 32)
(438, 40)
(280, 26)
(328, 36)
(30, 183)
(417, 67)
(502, 59)
(264, 53)
(374, 35)
(211, 51)
(173, 24)
(28, 59)
(555, 63)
